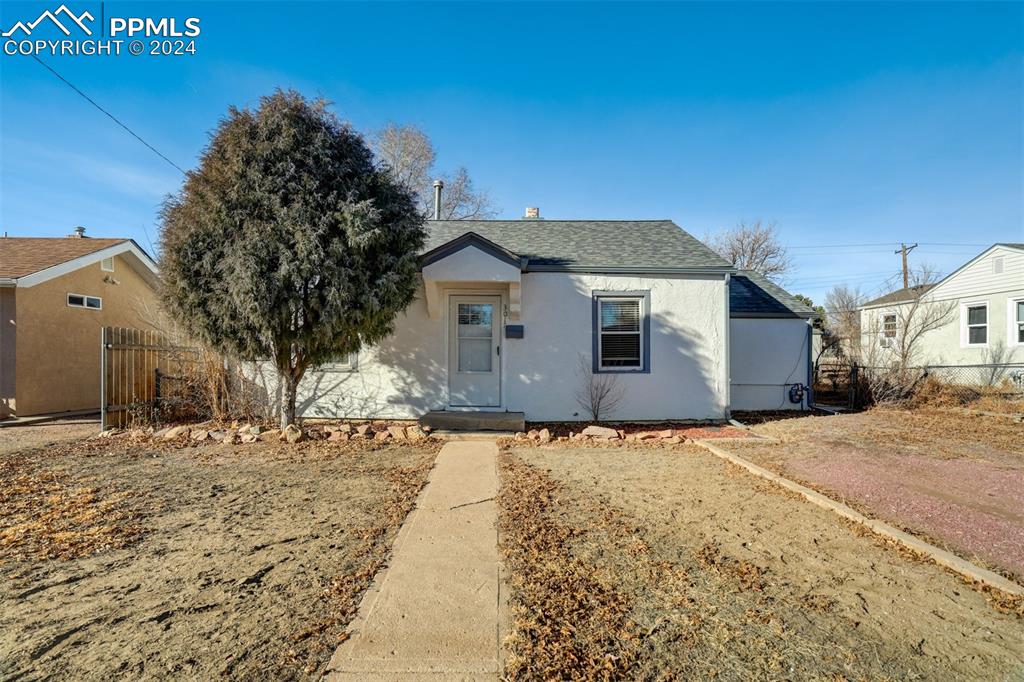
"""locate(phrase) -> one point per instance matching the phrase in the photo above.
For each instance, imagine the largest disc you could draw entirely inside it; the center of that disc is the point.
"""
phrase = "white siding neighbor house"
(984, 301)
(513, 316)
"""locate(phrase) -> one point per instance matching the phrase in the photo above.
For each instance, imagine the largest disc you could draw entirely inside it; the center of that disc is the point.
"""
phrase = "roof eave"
(629, 269)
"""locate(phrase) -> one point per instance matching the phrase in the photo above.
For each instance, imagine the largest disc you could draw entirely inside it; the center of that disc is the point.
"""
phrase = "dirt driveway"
(955, 478)
(21, 437)
(669, 564)
(147, 561)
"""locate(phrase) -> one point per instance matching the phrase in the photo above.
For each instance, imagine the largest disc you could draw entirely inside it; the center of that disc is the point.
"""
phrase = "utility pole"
(904, 249)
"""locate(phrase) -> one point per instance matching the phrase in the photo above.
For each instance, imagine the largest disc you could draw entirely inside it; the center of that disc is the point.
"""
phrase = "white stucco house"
(984, 304)
(507, 309)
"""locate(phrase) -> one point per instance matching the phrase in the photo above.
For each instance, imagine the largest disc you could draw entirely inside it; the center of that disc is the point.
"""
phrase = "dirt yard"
(14, 438)
(669, 564)
(135, 560)
(956, 479)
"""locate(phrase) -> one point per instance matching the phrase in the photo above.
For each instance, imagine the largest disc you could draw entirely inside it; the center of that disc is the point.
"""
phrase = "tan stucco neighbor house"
(55, 296)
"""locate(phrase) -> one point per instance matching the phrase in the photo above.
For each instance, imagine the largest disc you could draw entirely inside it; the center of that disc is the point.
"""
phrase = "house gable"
(999, 268)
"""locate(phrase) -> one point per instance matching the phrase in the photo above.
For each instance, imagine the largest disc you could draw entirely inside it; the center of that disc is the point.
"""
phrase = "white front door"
(474, 363)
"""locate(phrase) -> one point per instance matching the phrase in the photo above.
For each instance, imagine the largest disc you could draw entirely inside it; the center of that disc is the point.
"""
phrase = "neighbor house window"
(889, 326)
(975, 320)
(107, 265)
(1017, 321)
(620, 332)
(82, 301)
(346, 364)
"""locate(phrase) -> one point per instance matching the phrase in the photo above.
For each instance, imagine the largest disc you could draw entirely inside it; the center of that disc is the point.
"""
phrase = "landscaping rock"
(415, 433)
(199, 435)
(160, 434)
(338, 435)
(666, 433)
(345, 428)
(674, 440)
(544, 436)
(601, 432)
(397, 432)
(533, 434)
(364, 430)
(381, 435)
(292, 434)
(176, 431)
(271, 434)
(249, 438)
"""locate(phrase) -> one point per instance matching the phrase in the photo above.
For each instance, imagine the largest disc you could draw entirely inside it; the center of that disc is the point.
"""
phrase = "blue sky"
(864, 123)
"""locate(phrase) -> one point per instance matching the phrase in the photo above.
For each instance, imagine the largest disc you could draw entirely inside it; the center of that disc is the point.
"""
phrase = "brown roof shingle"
(22, 256)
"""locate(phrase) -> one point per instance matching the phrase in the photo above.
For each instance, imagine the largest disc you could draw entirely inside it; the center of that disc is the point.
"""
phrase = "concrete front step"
(474, 421)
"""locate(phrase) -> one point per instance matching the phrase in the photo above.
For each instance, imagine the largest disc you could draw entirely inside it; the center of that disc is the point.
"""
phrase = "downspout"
(728, 352)
(810, 363)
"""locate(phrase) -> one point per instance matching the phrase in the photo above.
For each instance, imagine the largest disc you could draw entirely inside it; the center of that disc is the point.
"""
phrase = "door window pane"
(474, 336)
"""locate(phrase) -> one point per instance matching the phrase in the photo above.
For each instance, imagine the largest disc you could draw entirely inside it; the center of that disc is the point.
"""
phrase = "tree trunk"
(291, 385)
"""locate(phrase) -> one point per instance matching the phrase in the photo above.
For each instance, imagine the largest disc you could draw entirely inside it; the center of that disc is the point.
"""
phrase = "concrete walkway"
(434, 614)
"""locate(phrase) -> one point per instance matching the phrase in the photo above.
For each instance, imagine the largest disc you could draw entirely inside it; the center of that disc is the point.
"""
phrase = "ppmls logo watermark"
(110, 36)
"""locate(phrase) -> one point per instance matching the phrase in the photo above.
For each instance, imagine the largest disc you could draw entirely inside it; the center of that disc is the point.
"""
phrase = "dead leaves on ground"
(47, 514)
(310, 649)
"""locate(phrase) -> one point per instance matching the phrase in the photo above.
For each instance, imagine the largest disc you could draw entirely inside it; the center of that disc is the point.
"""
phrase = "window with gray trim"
(620, 332)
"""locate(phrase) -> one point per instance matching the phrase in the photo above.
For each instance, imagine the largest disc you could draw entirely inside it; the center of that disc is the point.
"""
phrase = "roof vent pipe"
(79, 232)
(438, 186)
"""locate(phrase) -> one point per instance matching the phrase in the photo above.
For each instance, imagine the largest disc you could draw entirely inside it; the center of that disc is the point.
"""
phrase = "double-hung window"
(974, 317)
(889, 327)
(620, 332)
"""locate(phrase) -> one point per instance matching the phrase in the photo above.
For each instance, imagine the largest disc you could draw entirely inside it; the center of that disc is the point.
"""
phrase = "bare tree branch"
(754, 247)
(598, 394)
(408, 154)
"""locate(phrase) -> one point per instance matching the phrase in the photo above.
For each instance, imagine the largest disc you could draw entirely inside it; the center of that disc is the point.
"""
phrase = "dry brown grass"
(251, 563)
(670, 566)
(45, 513)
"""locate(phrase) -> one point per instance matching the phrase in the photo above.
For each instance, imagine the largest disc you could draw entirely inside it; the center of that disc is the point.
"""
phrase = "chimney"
(532, 213)
(438, 186)
(79, 233)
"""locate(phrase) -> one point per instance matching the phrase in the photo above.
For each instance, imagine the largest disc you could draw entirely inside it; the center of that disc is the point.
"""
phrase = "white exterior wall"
(406, 376)
(688, 340)
(976, 283)
(768, 355)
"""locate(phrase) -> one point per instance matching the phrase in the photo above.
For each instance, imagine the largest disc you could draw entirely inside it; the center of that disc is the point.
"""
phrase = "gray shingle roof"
(1011, 245)
(582, 244)
(899, 296)
(753, 295)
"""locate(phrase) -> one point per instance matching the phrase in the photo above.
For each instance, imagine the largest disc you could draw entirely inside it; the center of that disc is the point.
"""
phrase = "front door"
(474, 364)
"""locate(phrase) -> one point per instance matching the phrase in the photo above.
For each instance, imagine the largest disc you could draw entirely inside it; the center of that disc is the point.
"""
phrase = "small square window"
(107, 265)
(1019, 321)
(76, 301)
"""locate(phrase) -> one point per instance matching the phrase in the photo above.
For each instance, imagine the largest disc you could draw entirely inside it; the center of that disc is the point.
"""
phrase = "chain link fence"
(853, 386)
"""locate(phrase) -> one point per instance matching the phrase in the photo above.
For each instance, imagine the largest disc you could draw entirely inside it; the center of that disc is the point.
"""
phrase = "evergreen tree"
(289, 243)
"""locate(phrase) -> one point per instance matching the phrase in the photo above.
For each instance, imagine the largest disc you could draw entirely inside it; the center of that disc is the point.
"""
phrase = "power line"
(876, 244)
(112, 117)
